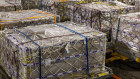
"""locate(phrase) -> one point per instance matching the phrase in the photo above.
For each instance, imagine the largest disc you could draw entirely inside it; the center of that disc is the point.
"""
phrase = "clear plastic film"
(99, 15)
(26, 17)
(63, 53)
(127, 33)
(60, 7)
(9, 5)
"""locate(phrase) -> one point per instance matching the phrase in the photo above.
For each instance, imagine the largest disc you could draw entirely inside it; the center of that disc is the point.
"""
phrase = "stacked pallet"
(126, 32)
(26, 17)
(6, 6)
(60, 7)
(63, 52)
(99, 15)
(31, 4)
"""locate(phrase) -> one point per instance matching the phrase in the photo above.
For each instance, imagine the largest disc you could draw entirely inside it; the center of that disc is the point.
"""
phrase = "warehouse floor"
(123, 69)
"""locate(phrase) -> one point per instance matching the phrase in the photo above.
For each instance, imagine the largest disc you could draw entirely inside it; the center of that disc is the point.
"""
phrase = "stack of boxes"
(60, 7)
(38, 47)
(63, 51)
(29, 17)
(100, 15)
(126, 35)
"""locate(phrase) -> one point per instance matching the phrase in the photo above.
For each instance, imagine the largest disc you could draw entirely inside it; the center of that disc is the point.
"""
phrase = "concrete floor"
(125, 69)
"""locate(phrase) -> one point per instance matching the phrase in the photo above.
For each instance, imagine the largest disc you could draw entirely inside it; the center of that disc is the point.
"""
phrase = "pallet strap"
(118, 29)
(39, 47)
(86, 45)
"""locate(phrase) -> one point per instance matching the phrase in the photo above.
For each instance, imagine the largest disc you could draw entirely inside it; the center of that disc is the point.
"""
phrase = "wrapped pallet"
(31, 4)
(26, 17)
(54, 51)
(99, 15)
(60, 7)
(126, 34)
(6, 6)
